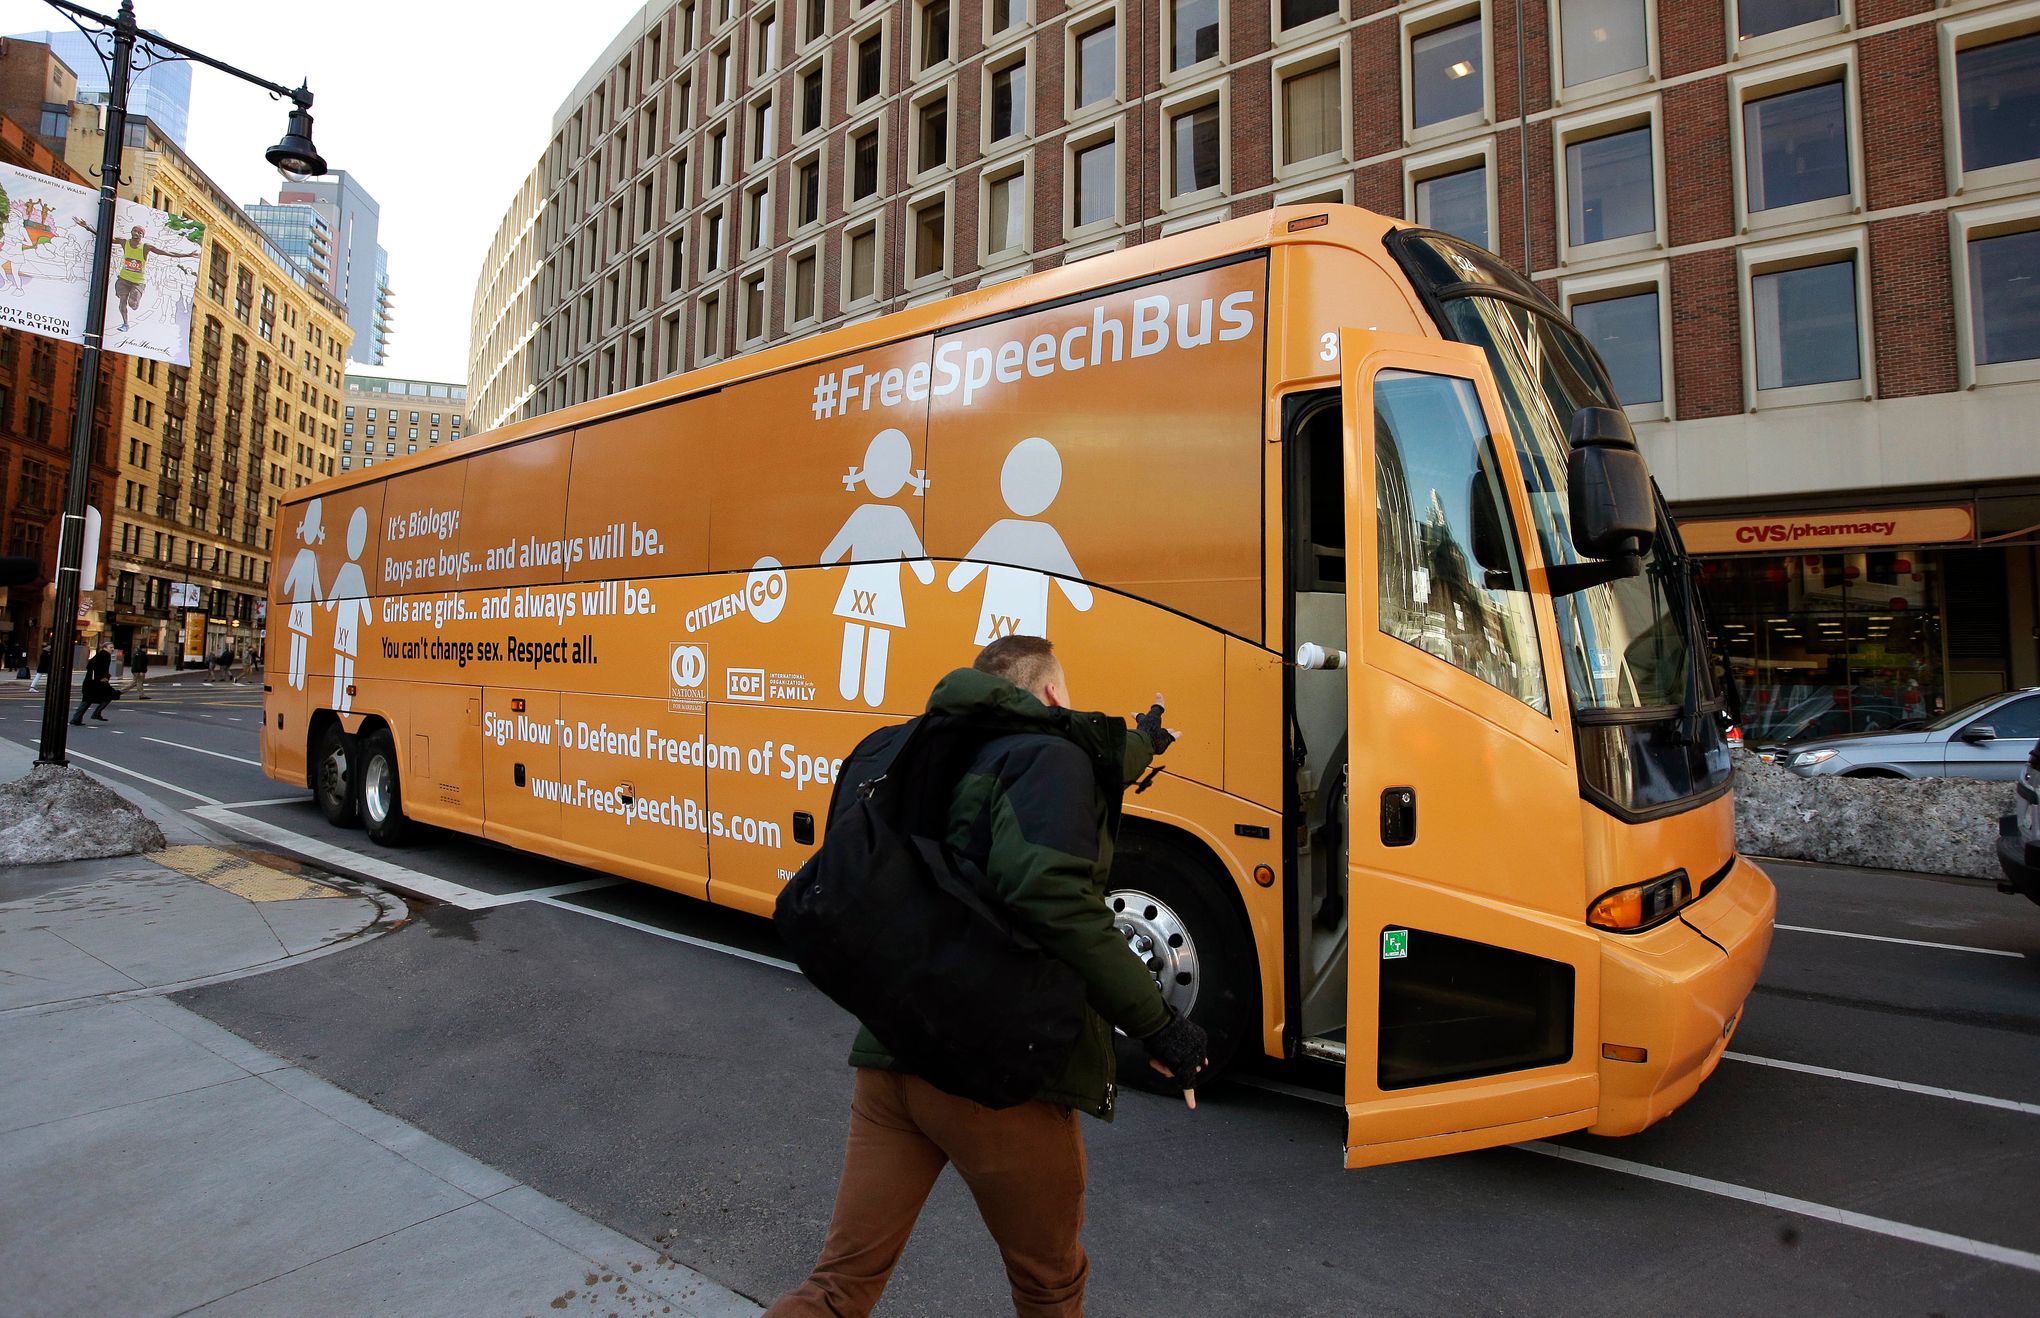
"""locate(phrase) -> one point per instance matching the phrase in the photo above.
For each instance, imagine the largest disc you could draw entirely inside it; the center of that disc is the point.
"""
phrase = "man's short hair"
(1025, 661)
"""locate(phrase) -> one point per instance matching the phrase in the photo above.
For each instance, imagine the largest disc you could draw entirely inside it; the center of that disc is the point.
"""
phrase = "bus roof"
(1343, 226)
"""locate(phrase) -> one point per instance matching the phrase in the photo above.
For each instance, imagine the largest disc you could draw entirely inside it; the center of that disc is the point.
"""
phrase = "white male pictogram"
(350, 597)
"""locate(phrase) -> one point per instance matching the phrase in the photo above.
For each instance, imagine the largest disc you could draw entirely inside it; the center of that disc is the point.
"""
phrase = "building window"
(1194, 149)
(1295, 13)
(1456, 203)
(1610, 187)
(1007, 13)
(2004, 296)
(762, 125)
(1999, 99)
(1009, 101)
(1625, 331)
(1448, 79)
(1756, 18)
(1796, 147)
(1806, 325)
(754, 307)
(804, 275)
(931, 238)
(767, 42)
(758, 219)
(934, 33)
(1312, 114)
(815, 20)
(1602, 39)
(1005, 213)
(718, 157)
(862, 262)
(712, 242)
(676, 263)
(813, 99)
(1095, 197)
(711, 327)
(1097, 65)
(870, 66)
(1193, 30)
(933, 137)
(719, 86)
(807, 193)
(864, 164)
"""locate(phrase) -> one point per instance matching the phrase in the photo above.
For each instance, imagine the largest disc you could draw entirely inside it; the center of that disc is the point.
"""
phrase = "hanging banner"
(46, 243)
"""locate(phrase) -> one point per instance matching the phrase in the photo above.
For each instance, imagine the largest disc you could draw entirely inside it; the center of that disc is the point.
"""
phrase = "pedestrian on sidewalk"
(98, 689)
(1031, 814)
(237, 663)
(138, 664)
(42, 669)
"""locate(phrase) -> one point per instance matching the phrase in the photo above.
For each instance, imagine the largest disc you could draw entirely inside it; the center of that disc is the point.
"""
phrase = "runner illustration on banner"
(350, 597)
(878, 538)
(301, 590)
(1017, 552)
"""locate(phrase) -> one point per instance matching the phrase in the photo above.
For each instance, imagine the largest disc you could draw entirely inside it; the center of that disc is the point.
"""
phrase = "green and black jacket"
(1036, 813)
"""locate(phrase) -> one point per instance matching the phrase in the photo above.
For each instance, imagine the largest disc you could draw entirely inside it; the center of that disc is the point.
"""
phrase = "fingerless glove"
(1181, 1046)
(1149, 725)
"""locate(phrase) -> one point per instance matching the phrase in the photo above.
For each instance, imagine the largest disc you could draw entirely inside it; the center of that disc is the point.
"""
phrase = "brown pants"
(1024, 1166)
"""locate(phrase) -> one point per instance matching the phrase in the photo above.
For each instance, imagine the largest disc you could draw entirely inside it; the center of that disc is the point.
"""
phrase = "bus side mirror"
(1613, 514)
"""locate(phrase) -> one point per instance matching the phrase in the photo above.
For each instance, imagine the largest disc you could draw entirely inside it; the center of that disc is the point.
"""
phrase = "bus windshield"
(1642, 687)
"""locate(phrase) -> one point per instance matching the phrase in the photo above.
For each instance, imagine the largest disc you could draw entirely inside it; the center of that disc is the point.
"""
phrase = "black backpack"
(911, 939)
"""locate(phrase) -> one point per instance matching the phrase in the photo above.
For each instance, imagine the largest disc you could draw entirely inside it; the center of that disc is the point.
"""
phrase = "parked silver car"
(1988, 739)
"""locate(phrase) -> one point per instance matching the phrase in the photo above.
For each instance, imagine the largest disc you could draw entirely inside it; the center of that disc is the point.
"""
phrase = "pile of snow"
(1930, 825)
(59, 812)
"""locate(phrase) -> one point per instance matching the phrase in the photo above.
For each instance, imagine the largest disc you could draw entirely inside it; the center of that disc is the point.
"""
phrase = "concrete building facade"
(383, 418)
(1804, 234)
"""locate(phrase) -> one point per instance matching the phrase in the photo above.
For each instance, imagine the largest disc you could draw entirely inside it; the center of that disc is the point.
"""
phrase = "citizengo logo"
(745, 683)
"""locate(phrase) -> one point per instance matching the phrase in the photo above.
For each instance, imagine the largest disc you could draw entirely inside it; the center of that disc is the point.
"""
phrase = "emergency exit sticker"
(1395, 944)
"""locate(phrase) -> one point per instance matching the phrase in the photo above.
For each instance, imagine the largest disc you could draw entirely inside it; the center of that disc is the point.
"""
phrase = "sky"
(438, 107)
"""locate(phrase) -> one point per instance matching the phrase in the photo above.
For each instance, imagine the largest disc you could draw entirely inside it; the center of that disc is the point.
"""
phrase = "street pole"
(294, 154)
(71, 539)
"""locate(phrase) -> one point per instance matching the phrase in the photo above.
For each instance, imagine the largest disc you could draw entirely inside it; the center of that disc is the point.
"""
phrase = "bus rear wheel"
(333, 784)
(382, 800)
(1166, 903)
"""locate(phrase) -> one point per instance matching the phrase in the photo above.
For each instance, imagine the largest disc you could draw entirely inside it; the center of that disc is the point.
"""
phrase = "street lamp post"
(295, 154)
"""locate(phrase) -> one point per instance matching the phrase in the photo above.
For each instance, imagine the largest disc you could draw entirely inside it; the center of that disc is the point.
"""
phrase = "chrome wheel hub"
(333, 774)
(378, 781)
(1158, 936)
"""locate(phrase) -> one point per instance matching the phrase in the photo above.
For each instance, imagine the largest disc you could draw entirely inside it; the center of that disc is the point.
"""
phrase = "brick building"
(38, 385)
(1804, 234)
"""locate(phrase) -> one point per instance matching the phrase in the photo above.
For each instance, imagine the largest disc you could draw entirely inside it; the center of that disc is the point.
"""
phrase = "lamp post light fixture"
(295, 154)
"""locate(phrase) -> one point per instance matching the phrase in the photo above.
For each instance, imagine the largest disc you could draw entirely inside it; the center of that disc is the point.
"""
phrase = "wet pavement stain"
(452, 922)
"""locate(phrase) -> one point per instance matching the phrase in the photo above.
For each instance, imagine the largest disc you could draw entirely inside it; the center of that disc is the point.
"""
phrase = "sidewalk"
(154, 1163)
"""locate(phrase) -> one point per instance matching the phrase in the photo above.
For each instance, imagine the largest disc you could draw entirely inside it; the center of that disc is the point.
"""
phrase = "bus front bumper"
(1677, 992)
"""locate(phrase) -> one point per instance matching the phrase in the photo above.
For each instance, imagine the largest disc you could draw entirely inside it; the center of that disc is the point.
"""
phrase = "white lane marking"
(562, 889)
(153, 782)
(299, 799)
(1857, 1077)
(388, 873)
(1905, 942)
(688, 939)
(238, 759)
(1883, 1226)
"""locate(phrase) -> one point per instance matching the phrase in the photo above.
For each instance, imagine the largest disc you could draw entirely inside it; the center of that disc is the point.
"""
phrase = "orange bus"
(1451, 805)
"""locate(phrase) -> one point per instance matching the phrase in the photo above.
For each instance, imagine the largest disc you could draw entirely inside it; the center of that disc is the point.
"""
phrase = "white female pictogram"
(877, 539)
(350, 597)
(1017, 552)
(301, 588)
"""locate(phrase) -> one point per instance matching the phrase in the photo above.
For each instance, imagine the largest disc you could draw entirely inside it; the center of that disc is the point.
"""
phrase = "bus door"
(1473, 987)
(521, 785)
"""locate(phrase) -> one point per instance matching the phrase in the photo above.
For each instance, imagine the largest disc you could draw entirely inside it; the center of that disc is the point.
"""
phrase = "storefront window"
(1829, 643)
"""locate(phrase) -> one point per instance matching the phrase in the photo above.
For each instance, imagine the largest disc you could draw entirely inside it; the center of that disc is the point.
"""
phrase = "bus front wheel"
(333, 775)
(1166, 903)
(382, 802)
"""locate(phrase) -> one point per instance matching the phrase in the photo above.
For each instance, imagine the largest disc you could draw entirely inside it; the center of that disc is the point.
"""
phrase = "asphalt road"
(1872, 1146)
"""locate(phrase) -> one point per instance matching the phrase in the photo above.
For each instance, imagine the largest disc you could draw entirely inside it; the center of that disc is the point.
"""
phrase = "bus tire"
(333, 781)
(1166, 902)
(380, 793)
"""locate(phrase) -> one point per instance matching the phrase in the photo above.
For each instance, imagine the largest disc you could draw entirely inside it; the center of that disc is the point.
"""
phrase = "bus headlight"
(1641, 905)
(1807, 759)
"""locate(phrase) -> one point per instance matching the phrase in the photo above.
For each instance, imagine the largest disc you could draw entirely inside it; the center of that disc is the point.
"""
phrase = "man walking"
(98, 689)
(42, 668)
(1032, 815)
(138, 664)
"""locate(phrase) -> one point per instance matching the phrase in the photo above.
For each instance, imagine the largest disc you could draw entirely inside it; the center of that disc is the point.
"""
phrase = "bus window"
(1436, 497)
